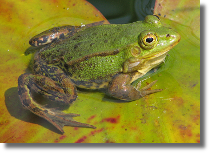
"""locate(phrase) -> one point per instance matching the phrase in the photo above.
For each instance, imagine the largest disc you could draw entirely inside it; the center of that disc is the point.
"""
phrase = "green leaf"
(170, 116)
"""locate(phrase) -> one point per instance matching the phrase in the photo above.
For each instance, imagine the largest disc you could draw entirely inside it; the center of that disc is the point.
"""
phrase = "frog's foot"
(144, 91)
(120, 87)
(60, 119)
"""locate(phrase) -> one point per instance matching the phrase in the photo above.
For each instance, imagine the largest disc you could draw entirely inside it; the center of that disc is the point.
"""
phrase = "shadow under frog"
(16, 109)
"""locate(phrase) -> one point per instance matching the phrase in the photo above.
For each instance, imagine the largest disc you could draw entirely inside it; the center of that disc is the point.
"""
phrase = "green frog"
(96, 56)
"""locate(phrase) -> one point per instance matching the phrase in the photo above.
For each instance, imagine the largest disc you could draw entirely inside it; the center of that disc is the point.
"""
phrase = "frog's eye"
(147, 40)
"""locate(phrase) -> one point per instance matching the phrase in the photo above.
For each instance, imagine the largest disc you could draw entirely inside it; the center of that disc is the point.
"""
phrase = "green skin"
(108, 57)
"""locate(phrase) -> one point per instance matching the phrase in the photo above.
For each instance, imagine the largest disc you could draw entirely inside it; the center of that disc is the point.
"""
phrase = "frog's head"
(153, 45)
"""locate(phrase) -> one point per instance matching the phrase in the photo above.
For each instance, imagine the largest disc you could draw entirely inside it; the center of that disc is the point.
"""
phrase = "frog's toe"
(60, 119)
(144, 91)
(147, 92)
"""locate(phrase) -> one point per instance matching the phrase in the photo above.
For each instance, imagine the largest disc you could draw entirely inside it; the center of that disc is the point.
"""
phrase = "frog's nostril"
(168, 35)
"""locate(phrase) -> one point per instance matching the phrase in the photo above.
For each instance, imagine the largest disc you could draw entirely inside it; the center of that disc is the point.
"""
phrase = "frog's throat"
(153, 62)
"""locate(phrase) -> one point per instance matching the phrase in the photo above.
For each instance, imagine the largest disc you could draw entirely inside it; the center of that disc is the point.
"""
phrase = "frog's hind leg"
(52, 35)
(54, 91)
(56, 33)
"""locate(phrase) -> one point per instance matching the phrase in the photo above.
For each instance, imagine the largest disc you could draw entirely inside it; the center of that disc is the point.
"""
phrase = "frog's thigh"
(51, 35)
(46, 86)
(54, 79)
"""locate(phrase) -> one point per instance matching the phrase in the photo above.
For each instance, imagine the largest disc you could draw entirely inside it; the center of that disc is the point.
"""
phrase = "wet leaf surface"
(170, 116)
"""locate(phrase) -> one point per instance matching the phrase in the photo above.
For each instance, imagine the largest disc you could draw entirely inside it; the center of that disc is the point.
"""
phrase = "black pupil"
(149, 40)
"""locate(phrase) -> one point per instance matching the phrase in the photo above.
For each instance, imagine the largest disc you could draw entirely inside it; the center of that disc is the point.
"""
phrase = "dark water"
(124, 11)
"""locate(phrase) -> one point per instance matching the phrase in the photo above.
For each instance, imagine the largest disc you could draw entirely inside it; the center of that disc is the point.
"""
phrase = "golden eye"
(147, 40)
(150, 39)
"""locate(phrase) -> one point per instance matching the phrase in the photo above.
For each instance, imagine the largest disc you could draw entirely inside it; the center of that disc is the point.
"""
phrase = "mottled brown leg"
(54, 91)
(56, 33)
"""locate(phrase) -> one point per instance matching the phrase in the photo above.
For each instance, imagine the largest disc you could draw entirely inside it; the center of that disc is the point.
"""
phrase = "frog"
(105, 57)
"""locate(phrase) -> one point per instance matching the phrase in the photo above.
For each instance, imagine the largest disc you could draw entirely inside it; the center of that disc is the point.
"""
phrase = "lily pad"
(170, 116)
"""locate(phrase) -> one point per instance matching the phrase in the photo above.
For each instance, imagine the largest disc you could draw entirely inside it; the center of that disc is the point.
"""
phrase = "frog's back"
(103, 39)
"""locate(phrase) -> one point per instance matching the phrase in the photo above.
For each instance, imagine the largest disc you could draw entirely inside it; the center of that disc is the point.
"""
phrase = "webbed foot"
(60, 119)
(144, 91)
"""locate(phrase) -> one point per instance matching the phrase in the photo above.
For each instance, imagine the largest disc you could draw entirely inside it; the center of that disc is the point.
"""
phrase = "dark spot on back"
(77, 45)
(69, 58)
(92, 44)
(62, 36)
(76, 37)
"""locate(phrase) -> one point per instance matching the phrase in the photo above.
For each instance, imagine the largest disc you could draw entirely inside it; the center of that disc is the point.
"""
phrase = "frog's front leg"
(120, 87)
(58, 88)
